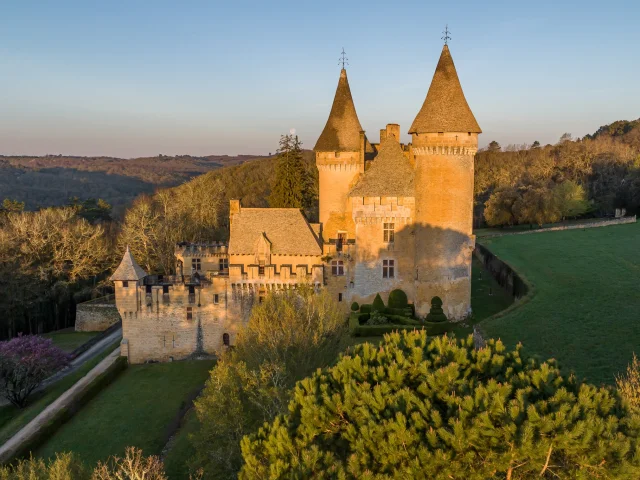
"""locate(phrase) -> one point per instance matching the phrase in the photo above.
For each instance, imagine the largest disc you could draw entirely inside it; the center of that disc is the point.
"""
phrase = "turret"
(340, 154)
(444, 142)
(127, 278)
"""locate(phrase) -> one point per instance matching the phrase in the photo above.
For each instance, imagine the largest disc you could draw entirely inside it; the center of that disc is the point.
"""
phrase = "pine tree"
(416, 407)
(293, 187)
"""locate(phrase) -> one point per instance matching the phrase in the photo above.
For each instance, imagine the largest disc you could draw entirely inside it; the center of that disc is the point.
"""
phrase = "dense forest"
(54, 257)
(535, 184)
(51, 180)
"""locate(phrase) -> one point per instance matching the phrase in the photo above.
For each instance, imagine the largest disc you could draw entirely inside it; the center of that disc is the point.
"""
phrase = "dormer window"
(340, 241)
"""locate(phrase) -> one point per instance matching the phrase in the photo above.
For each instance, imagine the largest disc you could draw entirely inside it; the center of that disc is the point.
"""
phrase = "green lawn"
(68, 340)
(13, 419)
(136, 409)
(181, 451)
(585, 309)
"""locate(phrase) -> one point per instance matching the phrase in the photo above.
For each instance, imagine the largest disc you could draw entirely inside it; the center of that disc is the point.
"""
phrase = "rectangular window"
(388, 268)
(196, 264)
(224, 264)
(261, 268)
(337, 268)
(125, 284)
(389, 232)
(189, 313)
(339, 297)
(216, 298)
(342, 239)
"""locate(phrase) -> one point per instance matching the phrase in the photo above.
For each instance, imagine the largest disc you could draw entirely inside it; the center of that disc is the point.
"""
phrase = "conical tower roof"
(342, 131)
(128, 269)
(445, 109)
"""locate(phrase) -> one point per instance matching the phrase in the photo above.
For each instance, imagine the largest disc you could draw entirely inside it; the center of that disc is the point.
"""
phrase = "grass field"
(68, 340)
(136, 410)
(181, 451)
(585, 309)
(13, 419)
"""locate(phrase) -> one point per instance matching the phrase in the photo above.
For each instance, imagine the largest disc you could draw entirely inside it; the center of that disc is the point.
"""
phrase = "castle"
(392, 216)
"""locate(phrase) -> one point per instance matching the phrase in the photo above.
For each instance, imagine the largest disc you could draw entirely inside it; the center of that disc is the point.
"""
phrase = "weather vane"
(343, 60)
(446, 33)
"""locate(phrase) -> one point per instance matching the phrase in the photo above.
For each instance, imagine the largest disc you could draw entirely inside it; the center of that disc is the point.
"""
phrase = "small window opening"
(196, 264)
(189, 313)
(389, 232)
(216, 298)
(341, 240)
(340, 297)
(125, 284)
(225, 339)
(337, 268)
(261, 268)
(388, 268)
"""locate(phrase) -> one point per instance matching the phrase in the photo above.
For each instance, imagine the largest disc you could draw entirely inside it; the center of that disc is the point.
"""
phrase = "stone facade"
(391, 216)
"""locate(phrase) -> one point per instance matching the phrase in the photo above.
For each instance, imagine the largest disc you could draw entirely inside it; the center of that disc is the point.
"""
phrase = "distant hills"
(51, 180)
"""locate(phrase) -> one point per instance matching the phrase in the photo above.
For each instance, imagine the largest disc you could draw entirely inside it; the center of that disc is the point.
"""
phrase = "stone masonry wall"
(96, 317)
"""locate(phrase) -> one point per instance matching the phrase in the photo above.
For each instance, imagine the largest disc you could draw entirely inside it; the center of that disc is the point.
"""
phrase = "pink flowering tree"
(25, 362)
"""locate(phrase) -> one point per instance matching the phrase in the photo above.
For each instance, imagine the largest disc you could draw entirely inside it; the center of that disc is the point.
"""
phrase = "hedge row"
(359, 329)
(405, 312)
(82, 398)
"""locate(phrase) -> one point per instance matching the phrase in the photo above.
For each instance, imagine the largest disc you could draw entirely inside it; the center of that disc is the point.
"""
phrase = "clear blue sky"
(131, 78)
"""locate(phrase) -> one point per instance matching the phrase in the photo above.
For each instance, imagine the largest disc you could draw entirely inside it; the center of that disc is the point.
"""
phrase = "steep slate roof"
(128, 269)
(390, 174)
(342, 131)
(285, 228)
(445, 109)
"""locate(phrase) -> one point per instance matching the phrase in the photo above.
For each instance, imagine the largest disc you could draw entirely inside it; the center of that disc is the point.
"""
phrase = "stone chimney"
(393, 130)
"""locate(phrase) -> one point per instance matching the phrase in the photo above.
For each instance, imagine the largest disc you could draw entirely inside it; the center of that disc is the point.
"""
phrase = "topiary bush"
(398, 299)
(365, 308)
(363, 318)
(378, 304)
(355, 307)
(436, 314)
(416, 407)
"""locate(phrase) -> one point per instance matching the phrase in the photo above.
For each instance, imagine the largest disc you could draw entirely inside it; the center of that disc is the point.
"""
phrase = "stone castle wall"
(96, 315)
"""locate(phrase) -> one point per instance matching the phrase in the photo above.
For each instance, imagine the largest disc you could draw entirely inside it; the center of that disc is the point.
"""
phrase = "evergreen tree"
(293, 186)
(414, 407)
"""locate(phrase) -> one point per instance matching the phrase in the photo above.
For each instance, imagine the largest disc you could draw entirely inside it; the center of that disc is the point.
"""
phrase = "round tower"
(444, 142)
(340, 153)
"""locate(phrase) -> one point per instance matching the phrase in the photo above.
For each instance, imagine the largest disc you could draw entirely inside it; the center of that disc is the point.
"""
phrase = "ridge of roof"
(390, 174)
(342, 130)
(445, 108)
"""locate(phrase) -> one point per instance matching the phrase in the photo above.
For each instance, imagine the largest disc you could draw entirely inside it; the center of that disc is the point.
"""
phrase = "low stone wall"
(503, 273)
(96, 315)
(573, 226)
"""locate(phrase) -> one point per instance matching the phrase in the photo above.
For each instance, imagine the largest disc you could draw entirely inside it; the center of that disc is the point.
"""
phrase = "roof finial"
(446, 33)
(343, 60)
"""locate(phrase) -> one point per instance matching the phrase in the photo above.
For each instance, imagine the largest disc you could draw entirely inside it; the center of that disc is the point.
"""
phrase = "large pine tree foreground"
(416, 407)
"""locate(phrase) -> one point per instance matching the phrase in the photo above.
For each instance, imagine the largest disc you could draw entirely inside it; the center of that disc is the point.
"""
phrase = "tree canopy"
(415, 407)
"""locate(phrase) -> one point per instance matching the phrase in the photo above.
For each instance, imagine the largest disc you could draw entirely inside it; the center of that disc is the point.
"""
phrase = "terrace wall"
(97, 315)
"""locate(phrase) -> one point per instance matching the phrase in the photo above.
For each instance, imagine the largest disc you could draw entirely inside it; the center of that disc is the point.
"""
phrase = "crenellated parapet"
(444, 150)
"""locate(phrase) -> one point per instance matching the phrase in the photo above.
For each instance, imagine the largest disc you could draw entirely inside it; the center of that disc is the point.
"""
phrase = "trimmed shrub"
(355, 307)
(378, 304)
(379, 330)
(402, 320)
(377, 318)
(404, 312)
(398, 299)
(436, 314)
(363, 318)
(438, 328)
(366, 308)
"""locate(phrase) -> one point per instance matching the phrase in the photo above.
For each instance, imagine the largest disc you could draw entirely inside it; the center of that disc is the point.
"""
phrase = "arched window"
(225, 339)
